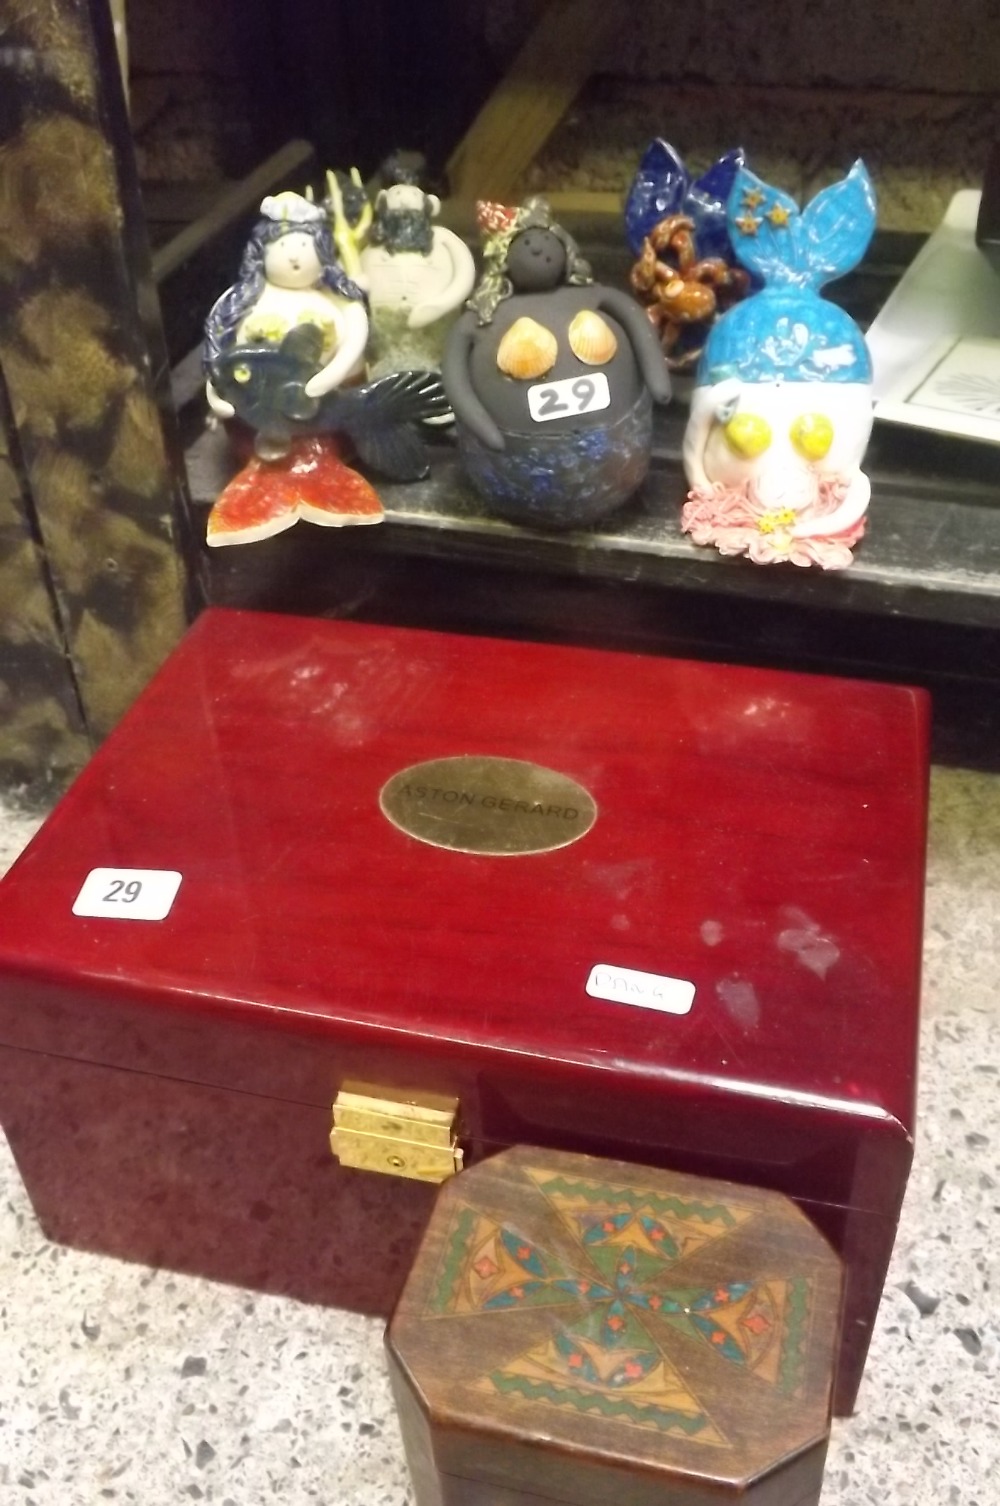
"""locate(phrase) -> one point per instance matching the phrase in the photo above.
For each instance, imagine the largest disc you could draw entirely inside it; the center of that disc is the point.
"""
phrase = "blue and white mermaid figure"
(284, 353)
(289, 277)
(781, 413)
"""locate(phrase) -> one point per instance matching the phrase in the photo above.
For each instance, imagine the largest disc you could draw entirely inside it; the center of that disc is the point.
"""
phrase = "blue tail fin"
(787, 247)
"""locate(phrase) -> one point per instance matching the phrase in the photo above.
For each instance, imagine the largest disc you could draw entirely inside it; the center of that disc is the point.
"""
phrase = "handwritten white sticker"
(571, 396)
(128, 893)
(625, 985)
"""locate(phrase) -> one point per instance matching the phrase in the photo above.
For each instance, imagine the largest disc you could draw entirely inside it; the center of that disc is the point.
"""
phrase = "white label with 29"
(568, 398)
(128, 893)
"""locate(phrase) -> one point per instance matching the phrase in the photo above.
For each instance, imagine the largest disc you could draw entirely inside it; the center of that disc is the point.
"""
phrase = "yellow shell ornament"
(527, 350)
(591, 339)
(748, 435)
(812, 435)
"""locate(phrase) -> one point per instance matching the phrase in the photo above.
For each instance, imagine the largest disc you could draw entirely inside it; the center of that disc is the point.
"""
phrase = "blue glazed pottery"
(686, 273)
(567, 480)
(781, 413)
(662, 187)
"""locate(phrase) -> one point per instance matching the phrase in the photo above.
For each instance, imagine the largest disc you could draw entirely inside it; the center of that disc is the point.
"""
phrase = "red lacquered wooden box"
(757, 855)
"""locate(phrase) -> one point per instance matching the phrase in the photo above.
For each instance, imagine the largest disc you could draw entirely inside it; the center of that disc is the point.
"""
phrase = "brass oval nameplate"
(503, 807)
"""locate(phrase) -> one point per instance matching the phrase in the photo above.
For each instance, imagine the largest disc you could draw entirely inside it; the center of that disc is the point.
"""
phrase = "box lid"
(587, 1331)
(759, 837)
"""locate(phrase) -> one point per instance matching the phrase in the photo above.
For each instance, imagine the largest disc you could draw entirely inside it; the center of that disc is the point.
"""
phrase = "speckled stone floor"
(123, 1384)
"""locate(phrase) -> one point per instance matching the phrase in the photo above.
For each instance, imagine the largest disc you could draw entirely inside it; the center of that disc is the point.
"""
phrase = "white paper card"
(967, 380)
(565, 399)
(625, 985)
(128, 893)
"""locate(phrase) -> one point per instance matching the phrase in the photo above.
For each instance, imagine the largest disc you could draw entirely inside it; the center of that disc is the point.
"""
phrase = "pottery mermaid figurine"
(285, 354)
(290, 276)
(551, 377)
(781, 412)
(417, 275)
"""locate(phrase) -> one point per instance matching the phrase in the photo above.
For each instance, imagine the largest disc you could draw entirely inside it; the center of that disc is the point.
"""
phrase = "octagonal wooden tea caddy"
(581, 1330)
(458, 895)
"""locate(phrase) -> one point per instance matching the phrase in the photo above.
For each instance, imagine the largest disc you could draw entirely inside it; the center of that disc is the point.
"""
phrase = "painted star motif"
(748, 224)
(777, 214)
(619, 1276)
(753, 197)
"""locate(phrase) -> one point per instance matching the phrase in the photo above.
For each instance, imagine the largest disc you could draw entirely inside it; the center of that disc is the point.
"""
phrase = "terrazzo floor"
(123, 1384)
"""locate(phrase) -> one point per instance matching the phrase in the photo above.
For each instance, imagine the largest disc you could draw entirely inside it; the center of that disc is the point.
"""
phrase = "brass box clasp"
(399, 1134)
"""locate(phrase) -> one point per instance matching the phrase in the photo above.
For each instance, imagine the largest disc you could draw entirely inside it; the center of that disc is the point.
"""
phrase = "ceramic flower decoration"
(781, 413)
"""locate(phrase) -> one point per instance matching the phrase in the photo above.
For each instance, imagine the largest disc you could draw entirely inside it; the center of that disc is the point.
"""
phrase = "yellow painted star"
(752, 197)
(771, 522)
(747, 224)
(777, 214)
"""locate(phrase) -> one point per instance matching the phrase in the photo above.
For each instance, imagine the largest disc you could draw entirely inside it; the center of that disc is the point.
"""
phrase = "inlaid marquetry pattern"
(620, 1304)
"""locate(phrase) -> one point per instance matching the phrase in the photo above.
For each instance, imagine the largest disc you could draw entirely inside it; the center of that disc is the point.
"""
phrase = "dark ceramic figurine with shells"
(551, 377)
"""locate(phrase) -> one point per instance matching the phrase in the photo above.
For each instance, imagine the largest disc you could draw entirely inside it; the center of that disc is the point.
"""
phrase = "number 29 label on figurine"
(571, 396)
(128, 893)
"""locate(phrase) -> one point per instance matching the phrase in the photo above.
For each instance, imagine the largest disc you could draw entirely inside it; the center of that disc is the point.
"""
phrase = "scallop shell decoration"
(527, 350)
(592, 340)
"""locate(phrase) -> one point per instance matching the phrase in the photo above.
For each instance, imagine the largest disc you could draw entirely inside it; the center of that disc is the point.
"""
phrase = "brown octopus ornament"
(683, 293)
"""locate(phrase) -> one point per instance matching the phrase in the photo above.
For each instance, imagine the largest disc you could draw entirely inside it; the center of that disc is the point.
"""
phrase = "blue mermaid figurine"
(781, 412)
